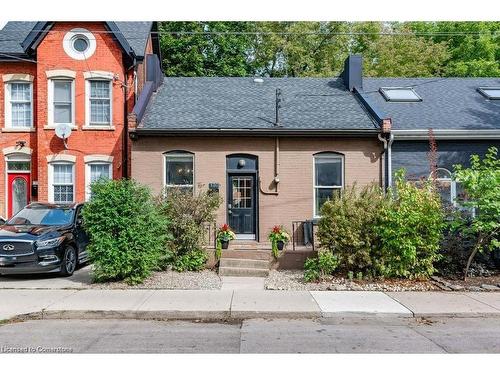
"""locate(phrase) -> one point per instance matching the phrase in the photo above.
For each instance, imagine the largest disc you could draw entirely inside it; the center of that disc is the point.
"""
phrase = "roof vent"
(258, 80)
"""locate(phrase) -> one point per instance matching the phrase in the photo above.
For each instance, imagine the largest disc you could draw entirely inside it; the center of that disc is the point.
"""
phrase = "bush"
(188, 215)
(127, 232)
(348, 226)
(410, 230)
(321, 266)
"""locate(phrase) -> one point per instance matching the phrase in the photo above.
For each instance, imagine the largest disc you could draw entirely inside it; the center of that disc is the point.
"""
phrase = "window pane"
(63, 193)
(323, 195)
(328, 171)
(18, 166)
(444, 190)
(21, 115)
(99, 89)
(400, 94)
(100, 111)
(180, 170)
(63, 173)
(62, 113)
(20, 92)
(98, 171)
(62, 91)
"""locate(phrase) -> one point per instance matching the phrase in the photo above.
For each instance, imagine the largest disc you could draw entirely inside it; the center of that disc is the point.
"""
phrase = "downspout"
(387, 138)
(276, 179)
(125, 119)
(389, 159)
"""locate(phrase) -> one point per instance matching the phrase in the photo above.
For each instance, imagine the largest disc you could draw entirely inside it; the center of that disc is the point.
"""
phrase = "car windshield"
(42, 216)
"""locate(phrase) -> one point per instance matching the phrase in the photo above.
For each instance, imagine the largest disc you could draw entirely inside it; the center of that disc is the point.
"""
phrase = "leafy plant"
(481, 182)
(224, 234)
(188, 215)
(410, 230)
(277, 234)
(192, 261)
(319, 267)
(128, 234)
(348, 226)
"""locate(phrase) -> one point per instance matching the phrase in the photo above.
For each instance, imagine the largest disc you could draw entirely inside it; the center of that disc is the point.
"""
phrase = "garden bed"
(203, 280)
(294, 280)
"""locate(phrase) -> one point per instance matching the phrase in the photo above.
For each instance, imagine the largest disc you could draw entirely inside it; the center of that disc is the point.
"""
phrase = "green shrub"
(410, 230)
(188, 216)
(348, 226)
(319, 267)
(194, 260)
(127, 232)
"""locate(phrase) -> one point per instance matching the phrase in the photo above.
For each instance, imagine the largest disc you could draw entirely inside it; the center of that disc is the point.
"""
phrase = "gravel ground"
(294, 280)
(205, 279)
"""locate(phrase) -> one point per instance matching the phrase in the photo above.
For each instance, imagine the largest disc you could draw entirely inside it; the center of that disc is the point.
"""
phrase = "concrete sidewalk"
(240, 304)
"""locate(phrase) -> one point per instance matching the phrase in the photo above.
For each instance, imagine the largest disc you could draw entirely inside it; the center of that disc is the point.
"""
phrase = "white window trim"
(68, 44)
(165, 156)
(50, 101)
(326, 155)
(50, 176)
(453, 185)
(14, 156)
(8, 106)
(104, 78)
(96, 159)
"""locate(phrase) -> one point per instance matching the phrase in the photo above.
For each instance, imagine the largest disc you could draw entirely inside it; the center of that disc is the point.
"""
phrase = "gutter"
(466, 134)
(257, 132)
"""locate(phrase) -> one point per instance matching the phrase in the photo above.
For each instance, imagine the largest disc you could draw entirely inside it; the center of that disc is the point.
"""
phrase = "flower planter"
(280, 245)
(225, 244)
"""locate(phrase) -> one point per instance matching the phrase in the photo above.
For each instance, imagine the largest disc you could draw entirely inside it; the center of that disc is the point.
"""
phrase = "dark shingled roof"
(240, 103)
(14, 33)
(447, 103)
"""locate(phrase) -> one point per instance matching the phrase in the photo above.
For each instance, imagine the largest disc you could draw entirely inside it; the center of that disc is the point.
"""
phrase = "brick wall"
(295, 199)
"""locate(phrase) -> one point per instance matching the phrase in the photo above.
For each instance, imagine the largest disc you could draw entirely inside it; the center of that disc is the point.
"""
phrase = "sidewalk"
(240, 304)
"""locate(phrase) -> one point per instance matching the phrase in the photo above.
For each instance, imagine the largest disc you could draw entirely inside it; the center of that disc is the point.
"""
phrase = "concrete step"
(244, 263)
(247, 254)
(238, 271)
(249, 245)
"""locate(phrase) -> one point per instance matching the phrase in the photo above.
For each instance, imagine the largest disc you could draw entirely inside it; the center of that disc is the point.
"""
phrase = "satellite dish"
(63, 131)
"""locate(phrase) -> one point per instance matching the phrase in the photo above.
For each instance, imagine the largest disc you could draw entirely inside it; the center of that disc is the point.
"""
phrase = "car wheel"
(69, 262)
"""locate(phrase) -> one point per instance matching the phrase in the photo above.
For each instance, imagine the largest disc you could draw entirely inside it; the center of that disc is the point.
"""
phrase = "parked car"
(43, 237)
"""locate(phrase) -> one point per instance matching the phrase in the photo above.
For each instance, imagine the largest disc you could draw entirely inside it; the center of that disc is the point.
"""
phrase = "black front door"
(241, 205)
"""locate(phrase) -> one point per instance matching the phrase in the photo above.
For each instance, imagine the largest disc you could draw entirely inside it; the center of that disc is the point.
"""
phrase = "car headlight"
(46, 244)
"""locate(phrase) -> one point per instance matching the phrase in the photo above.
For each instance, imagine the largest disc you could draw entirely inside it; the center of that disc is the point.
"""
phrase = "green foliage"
(188, 216)
(192, 261)
(410, 230)
(128, 234)
(318, 268)
(348, 226)
(481, 182)
(278, 234)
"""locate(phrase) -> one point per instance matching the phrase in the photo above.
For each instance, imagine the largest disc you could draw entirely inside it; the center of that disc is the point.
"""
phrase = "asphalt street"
(347, 335)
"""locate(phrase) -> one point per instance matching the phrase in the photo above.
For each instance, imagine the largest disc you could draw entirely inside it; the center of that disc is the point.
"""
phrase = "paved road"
(453, 335)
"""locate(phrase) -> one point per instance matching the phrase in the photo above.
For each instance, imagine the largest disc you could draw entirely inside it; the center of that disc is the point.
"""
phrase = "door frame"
(254, 172)
(16, 156)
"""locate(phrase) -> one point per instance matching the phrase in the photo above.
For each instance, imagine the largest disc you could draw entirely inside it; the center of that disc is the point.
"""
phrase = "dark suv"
(43, 237)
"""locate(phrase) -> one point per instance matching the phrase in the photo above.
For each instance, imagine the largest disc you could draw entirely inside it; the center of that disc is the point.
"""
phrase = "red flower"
(224, 228)
(276, 229)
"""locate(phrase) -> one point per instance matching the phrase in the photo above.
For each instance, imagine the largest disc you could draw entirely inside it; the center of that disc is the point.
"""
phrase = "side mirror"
(79, 222)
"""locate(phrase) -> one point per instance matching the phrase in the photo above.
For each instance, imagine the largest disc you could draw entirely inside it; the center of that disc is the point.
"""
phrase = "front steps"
(245, 259)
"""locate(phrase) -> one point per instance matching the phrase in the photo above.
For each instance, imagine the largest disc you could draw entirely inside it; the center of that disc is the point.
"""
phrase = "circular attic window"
(79, 44)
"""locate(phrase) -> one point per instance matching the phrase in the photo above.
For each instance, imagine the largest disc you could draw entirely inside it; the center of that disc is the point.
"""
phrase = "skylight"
(492, 93)
(400, 94)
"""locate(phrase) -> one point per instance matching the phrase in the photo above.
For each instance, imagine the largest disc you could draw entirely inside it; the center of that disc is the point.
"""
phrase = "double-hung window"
(63, 182)
(99, 102)
(19, 105)
(328, 178)
(62, 104)
(179, 171)
(96, 171)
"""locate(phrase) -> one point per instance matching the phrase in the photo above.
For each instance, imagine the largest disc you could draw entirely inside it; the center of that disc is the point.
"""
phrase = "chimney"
(353, 72)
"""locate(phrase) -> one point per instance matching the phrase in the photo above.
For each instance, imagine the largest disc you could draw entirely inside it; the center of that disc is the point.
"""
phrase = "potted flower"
(224, 235)
(278, 237)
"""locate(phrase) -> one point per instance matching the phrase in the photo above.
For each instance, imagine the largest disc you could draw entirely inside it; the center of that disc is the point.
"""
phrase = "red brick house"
(86, 75)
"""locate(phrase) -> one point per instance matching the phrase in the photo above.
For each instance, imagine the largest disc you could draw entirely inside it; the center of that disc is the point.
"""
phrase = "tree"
(481, 182)
(195, 49)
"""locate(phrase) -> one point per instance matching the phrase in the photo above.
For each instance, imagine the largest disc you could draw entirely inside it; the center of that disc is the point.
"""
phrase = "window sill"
(98, 127)
(18, 130)
(53, 127)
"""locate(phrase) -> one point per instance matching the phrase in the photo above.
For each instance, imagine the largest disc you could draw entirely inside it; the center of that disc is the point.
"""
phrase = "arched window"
(328, 178)
(446, 186)
(179, 170)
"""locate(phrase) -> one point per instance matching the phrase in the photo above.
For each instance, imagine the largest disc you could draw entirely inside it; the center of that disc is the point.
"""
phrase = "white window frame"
(453, 185)
(25, 157)
(50, 100)
(88, 123)
(326, 155)
(8, 106)
(51, 179)
(165, 161)
(100, 161)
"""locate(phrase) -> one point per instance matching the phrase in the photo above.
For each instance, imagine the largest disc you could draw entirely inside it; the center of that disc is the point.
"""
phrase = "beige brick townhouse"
(274, 148)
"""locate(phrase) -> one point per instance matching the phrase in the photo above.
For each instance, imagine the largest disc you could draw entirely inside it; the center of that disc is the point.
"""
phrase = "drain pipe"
(387, 138)
(276, 179)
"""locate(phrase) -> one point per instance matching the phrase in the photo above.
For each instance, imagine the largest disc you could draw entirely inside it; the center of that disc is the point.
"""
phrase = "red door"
(18, 192)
